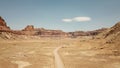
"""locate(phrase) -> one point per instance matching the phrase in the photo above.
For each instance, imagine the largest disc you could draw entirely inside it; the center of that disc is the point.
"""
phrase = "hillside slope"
(112, 36)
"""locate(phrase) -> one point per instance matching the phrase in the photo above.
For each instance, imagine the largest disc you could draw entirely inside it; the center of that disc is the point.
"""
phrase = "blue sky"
(52, 14)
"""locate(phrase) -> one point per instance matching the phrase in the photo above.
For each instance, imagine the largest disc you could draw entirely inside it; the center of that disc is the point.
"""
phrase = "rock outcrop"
(3, 25)
(29, 28)
(113, 34)
(77, 33)
(113, 30)
(112, 38)
(88, 33)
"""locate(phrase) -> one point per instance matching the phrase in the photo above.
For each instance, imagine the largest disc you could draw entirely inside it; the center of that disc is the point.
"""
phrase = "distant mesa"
(32, 31)
(88, 33)
(29, 28)
(3, 25)
(52, 33)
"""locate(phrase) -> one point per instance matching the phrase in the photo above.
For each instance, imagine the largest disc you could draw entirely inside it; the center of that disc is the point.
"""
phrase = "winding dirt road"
(58, 61)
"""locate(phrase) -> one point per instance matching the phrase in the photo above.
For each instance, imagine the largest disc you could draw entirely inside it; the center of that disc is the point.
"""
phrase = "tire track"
(58, 61)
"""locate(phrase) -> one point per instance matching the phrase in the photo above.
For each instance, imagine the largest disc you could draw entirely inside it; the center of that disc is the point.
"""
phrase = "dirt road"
(58, 61)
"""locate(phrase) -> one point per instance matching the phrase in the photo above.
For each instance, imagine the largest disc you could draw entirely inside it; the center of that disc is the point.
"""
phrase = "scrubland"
(83, 52)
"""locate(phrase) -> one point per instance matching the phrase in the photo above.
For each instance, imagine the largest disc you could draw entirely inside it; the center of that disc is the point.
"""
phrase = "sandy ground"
(89, 54)
(77, 53)
(27, 53)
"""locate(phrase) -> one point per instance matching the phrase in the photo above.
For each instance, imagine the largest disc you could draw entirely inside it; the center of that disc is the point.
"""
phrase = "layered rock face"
(3, 25)
(51, 33)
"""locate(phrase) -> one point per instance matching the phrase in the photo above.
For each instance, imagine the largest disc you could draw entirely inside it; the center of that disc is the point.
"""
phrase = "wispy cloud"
(77, 19)
(67, 20)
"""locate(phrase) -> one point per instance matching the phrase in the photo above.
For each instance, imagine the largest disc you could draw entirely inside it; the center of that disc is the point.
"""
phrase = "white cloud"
(77, 19)
(80, 19)
(67, 20)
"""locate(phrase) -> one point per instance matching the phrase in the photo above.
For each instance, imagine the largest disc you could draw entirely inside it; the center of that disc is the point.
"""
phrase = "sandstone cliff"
(3, 25)
(29, 28)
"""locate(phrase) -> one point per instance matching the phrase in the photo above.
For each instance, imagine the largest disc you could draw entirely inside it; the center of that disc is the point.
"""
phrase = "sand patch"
(113, 65)
(87, 53)
(21, 64)
(31, 52)
(96, 59)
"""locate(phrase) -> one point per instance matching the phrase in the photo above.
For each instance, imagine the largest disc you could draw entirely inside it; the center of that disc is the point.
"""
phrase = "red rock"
(50, 33)
(3, 25)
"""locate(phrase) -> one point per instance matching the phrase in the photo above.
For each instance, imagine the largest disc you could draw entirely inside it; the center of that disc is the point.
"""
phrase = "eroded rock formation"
(88, 33)
(3, 25)
(30, 30)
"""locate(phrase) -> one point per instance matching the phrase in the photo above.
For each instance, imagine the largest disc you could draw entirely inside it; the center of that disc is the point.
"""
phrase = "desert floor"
(74, 53)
